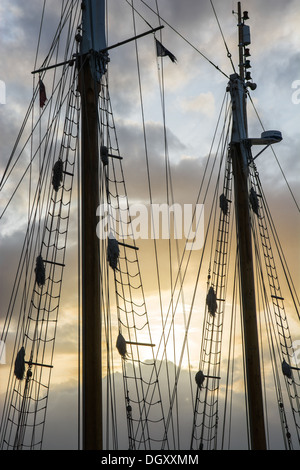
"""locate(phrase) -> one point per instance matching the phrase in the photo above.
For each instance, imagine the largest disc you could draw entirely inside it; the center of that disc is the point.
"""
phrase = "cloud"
(192, 90)
(63, 405)
(204, 103)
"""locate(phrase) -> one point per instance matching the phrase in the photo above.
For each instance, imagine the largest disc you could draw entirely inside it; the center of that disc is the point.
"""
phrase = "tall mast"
(93, 40)
(240, 154)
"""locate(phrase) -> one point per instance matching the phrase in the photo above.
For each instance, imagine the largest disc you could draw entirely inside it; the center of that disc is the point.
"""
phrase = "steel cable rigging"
(38, 327)
(281, 349)
(132, 316)
(206, 414)
(23, 419)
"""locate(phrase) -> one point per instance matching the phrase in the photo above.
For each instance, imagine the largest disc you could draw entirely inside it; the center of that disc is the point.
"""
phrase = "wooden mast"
(93, 40)
(240, 153)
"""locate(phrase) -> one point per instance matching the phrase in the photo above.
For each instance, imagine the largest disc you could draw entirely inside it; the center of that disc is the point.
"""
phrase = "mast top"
(93, 26)
(93, 38)
(244, 51)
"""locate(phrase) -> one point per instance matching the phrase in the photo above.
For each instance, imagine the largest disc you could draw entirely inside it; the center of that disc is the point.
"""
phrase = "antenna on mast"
(244, 51)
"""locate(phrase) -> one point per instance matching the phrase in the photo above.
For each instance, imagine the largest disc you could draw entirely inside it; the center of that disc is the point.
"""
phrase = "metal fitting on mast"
(93, 36)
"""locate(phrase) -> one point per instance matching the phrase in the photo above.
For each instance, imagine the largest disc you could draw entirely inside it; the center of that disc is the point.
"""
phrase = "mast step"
(67, 173)
(114, 156)
(104, 155)
(140, 344)
(54, 262)
(128, 246)
(277, 297)
(211, 377)
(30, 363)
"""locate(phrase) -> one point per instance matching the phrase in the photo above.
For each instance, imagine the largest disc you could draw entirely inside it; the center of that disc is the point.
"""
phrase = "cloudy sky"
(194, 90)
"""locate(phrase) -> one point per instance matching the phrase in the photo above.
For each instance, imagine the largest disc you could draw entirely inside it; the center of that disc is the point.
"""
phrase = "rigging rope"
(179, 34)
(42, 312)
(276, 158)
(206, 414)
(224, 40)
(169, 420)
(143, 398)
(170, 200)
(133, 322)
(23, 419)
(283, 337)
(66, 14)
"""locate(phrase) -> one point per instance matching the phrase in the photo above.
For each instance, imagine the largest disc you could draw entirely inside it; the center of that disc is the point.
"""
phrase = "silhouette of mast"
(240, 154)
(91, 68)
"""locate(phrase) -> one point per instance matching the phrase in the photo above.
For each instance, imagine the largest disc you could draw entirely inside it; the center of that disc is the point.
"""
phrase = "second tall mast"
(241, 156)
